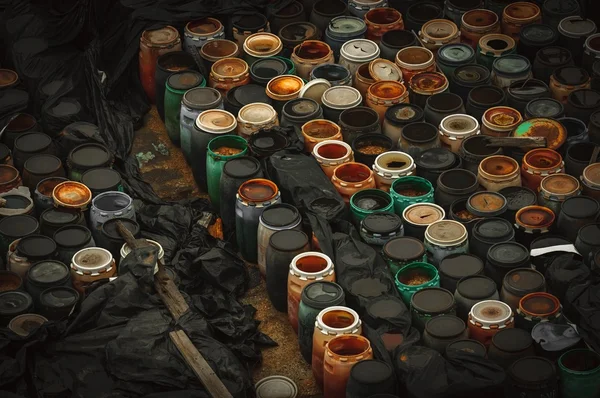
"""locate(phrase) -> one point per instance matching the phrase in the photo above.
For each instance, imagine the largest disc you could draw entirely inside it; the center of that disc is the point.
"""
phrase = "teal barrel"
(215, 162)
(414, 277)
(406, 191)
(579, 374)
(369, 201)
(177, 85)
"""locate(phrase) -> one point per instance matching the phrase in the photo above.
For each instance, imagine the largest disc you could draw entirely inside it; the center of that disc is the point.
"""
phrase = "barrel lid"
(476, 287)
(92, 259)
(445, 326)
(52, 87)
(447, 232)
(538, 35)
(493, 229)
(230, 67)
(4, 152)
(59, 297)
(585, 98)
(315, 89)
(561, 7)
(241, 167)
(439, 30)
(24, 324)
(511, 64)
(42, 164)
(432, 300)
(360, 49)
(524, 280)
(423, 213)
(248, 94)
(268, 68)
(491, 312)
(276, 387)
(90, 155)
(36, 246)
(71, 194)
(590, 234)
(72, 236)
(404, 248)
(301, 107)
(371, 372)
(48, 271)
(285, 87)
(8, 173)
(576, 26)
(160, 37)
(65, 107)
(256, 113)
(508, 253)
(32, 142)
(518, 197)
(216, 121)
(322, 294)
(469, 346)
(404, 114)
(559, 184)
(280, 215)
(512, 340)
(8, 77)
(428, 82)
(204, 26)
(382, 69)
(486, 203)
(386, 307)
(288, 240)
(382, 223)
(346, 27)
(202, 97)
(296, 32)
(591, 173)
(580, 207)
(460, 265)
(532, 370)
(58, 216)
(539, 304)
(16, 201)
(341, 97)
(184, 80)
(18, 226)
(109, 228)
(536, 217)
(554, 55)
(436, 159)
(571, 75)
(101, 179)
(548, 240)
(14, 302)
(249, 22)
(545, 107)
(456, 53)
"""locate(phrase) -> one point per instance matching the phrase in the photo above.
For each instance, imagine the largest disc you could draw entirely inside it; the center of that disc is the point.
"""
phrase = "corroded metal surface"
(164, 167)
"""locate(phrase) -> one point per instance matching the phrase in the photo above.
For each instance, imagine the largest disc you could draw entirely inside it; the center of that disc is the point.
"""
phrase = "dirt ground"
(164, 167)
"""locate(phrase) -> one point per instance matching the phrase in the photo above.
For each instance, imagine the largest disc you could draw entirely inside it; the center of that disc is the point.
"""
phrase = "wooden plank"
(595, 154)
(527, 142)
(170, 295)
(201, 368)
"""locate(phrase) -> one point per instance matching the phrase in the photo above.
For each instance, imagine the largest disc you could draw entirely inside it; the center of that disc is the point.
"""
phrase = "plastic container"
(429, 303)
(517, 15)
(368, 377)
(557, 188)
(413, 60)
(400, 252)
(438, 33)
(487, 232)
(414, 276)
(454, 184)
(379, 228)
(438, 106)
(330, 154)
(341, 354)
(46, 274)
(278, 217)
(532, 222)
(579, 370)
(454, 267)
(369, 201)
(443, 330)
(390, 166)
(536, 308)
(368, 147)
(419, 216)
(91, 265)
(519, 283)
(471, 290)
(480, 99)
(487, 318)
(493, 46)
(575, 213)
(498, 172)
(504, 257)
(455, 128)
(477, 23)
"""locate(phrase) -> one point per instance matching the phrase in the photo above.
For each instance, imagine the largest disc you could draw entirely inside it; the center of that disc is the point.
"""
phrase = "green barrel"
(215, 163)
(487, 59)
(420, 189)
(369, 201)
(177, 85)
(407, 279)
(579, 374)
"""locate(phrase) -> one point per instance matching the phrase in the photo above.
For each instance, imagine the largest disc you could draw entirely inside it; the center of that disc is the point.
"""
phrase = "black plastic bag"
(582, 307)
(563, 270)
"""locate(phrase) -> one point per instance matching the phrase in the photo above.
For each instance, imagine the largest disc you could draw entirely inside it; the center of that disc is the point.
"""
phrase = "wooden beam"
(527, 142)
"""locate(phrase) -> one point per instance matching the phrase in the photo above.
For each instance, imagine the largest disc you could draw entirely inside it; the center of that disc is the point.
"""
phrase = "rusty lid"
(382, 69)
(320, 128)
(423, 213)
(8, 77)
(8, 174)
(488, 204)
(439, 29)
(493, 43)
(92, 260)
(503, 116)
(230, 67)
(479, 18)
(204, 26)
(71, 194)
(414, 55)
(258, 190)
(383, 16)
(535, 217)
(160, 37)
(428, 83)
(215, 49)
(312, 50)
(499, 165)
(446, 232)
(560, 184)
(387, 90)
(522, 10)
(262, 44)
(554, 132)
(591, 174)
(542, 159)
(216, 121)
(285, 85)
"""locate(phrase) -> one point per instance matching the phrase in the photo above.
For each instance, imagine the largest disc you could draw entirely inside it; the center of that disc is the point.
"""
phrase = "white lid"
(257, 113)
(423, 213)
(360, 50)
(92, 260)
(385, 164)
(216, 121)
(382, 69)
(296, 264)
(125, 250)
(341, 97)
(446, 233)
(459, 125)
(326, 329)
(491, 313)
(314, 89)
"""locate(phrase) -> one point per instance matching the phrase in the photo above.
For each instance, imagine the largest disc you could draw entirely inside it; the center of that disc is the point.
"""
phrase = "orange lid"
(8, 77)
(499, 165)
(285, 85)
(8, 174)
(535, 217)
(204, 26)
(258, 190)
(230, 67)
(387, 90)
(542, 159)
(160, 37)
(71, 194)
(503, 116)
(428, 82)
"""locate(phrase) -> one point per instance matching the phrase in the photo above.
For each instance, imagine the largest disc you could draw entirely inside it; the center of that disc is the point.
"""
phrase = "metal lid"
(288, 240)
(512, 340)
(276, 387)
(101, 179)
(32, 142)
(184, 80)
(459, 265)
(518, 197)
(456, 53)
(160, 37)
(322, 295)
(493, 229)
(446, 232)
(24, 324)
(315, 90)
(432, 300)
(72, 236)
(581, 207)
(445, 326)
(14, 302)
(18, 226)
(382, 69)
(423, 213)
(92, 260)
(345, 27)
(511, 253)
(360, 49)
(341, 97)
(476, 287)
(536, 371)
(257, 113)
(71, 194)
(524, 280)
(486, 204)
(404, 248)
(280, 215)
(33, 246)
(216, 121)
(511, 64)
(202, 98)
(48, 272)
(90, 155)
(382, 223)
